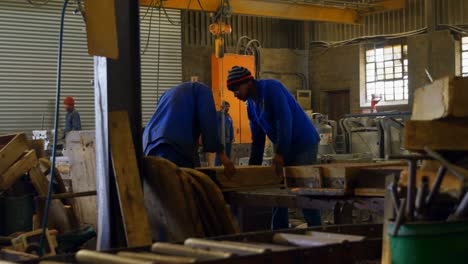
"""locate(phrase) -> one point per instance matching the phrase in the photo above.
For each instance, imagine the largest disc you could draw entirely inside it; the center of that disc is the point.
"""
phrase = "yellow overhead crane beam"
(285, 10)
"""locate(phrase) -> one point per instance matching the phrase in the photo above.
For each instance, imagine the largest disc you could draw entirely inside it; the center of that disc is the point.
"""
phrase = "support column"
(117, 87)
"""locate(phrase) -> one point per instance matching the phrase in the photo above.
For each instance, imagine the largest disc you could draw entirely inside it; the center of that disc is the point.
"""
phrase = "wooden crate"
(11, 149)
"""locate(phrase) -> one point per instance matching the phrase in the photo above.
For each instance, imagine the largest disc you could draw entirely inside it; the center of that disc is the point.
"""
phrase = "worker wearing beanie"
(72, 119)
(182, 114)
(274, 112)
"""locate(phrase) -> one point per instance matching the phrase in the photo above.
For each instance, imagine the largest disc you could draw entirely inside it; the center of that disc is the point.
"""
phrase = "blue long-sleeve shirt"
(276, 113)
(183, 113)
(72, 121)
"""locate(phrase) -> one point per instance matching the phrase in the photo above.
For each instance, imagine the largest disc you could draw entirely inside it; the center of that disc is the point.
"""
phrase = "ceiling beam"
(293, 11)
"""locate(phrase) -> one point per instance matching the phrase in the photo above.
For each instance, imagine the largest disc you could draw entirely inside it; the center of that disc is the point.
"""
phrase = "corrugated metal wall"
(272, 33)
(28, 54)
(28, 51)
(170, 56)
(451, 12)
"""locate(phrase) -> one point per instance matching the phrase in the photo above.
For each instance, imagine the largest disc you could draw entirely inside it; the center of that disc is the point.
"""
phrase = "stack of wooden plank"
(440, 117)
(19, 159)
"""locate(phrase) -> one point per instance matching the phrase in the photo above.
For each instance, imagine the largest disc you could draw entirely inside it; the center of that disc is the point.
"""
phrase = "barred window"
(387, 74)
(465, 56)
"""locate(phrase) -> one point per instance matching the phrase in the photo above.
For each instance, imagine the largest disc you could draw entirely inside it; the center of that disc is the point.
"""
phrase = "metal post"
(117, 87)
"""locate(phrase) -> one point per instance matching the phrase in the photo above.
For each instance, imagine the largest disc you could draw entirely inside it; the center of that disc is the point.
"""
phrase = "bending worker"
(274, 112)
(182, 114)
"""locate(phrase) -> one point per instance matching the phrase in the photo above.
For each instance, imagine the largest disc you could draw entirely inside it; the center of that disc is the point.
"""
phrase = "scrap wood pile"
(433, 190)
(184, 202)
(23, 188)
(438, 130)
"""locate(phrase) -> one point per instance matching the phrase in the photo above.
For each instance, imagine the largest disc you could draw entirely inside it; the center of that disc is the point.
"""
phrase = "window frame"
(404, 72)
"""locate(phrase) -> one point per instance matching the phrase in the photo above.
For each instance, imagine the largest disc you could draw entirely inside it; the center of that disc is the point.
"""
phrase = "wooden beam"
(264, 8)
(127, 178)
(18, 169)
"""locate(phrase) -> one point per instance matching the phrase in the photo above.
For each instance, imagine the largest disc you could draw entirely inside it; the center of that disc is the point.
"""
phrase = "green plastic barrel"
(16, 214)
(431, 242)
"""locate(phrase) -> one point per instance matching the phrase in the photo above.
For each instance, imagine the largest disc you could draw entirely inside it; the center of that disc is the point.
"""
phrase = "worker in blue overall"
(274, 112)
(228, 130)
(183, 114)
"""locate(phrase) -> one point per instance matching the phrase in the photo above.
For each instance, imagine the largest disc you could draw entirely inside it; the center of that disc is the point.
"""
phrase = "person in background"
(183, 114)
(228, 130)
(273, 111)
(72, 119)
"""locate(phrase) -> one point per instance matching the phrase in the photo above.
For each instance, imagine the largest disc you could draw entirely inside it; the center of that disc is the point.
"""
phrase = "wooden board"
(165, 198)
(38, 146)
(58, 215)
(437, 135)
(450, 184)
(18, 169)
(13, 148)
(303, 176)
(245, 176)
(127, 178)
(80, 150)
(444, 98)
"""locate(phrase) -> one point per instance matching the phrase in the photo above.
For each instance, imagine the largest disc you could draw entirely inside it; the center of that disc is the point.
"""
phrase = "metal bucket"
(432, 242)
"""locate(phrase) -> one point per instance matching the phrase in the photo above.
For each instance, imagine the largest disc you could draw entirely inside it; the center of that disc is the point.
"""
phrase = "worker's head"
(240, 82)
(225, 106)
(69, 103)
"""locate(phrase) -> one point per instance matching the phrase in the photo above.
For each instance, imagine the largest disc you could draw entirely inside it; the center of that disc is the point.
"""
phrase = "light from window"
(465, 56)
(387, 73)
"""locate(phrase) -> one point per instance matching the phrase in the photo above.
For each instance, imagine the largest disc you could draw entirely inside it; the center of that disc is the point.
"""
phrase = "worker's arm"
(258, 140)
(76, 121)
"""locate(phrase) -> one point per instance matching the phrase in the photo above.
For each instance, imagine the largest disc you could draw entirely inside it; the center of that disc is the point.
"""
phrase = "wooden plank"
(18, 169)
(444, 98)
(303, 176)
(80, 150)
(372, 192)
(437, 135)
(38, 146)
(127, 178)
(13, 148)
(58, 215)
(245, 176)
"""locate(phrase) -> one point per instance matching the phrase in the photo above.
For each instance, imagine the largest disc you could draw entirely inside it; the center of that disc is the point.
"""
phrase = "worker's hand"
(278, 163)
(229, 168)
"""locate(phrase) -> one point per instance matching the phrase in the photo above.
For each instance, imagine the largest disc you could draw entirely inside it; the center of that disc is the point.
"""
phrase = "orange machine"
(238, 110)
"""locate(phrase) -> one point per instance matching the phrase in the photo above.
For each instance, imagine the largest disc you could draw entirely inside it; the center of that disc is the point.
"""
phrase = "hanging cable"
(158, 56)
(149, 30)
(45, 220)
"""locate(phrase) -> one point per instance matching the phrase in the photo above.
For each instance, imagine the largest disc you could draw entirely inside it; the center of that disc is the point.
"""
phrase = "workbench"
(248, 204)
